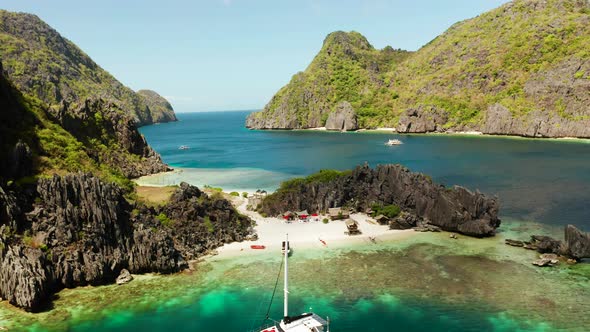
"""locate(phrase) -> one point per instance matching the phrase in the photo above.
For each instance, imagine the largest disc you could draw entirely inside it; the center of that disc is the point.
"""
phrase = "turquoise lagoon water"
(424, 283)
(547, 181)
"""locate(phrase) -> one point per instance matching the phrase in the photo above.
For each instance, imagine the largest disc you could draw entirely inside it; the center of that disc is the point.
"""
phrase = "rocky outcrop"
(500, 121)
(124, 277)
(81, 231)
(103, 121)
(423, 119)
(160, 108)
(452, 209)
(343, 118)
(201, 223)
(576, 244)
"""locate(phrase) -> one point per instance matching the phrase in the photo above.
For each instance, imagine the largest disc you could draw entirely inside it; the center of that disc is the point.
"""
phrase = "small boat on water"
(184, 147)
(305, 322)
(257, 246)
(393, 142)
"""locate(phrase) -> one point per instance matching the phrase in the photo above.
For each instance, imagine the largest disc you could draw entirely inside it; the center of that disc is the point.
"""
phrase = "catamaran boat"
(306, 322)
(286, 244)
(392, 142)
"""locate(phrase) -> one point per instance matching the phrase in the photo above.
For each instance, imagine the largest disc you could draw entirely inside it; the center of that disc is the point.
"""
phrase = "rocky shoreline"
(75, 230)
(575, 247)
(422, 202)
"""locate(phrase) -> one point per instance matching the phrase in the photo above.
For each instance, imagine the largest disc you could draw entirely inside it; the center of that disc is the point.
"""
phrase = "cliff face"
(452, 209)
(78, 230)
(44, 64)
(160, 108)
(98, 122)
(94, 135)
(521, 69)
(348, 69)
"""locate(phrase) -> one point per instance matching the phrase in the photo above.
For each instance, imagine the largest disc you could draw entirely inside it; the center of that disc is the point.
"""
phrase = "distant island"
(522, 69)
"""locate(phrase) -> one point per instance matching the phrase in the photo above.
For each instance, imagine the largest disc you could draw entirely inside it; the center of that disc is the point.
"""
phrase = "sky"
(212, 55)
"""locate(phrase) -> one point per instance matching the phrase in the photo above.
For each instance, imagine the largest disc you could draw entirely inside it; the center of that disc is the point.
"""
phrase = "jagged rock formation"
(521, 69)
(576, 244)
(452, 209)
(343, 118)
(78, 230)
(44, 64)
(202, 223)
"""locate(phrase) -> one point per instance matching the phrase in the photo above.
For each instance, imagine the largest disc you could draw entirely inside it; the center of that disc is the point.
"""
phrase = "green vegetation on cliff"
(42, 63)
(62, 113)
(52, 149)
(527, 55)
(347, 68)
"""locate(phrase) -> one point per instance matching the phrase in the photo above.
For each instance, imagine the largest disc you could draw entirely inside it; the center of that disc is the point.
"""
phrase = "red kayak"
(257, 246)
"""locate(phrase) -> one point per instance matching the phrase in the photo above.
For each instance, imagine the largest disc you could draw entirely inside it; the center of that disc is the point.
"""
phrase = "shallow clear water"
(426, 282)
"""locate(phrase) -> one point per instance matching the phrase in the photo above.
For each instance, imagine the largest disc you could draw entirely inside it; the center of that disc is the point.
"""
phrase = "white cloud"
(227, 3)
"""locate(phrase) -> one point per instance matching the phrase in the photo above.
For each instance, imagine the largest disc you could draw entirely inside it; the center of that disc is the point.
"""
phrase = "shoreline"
(315, 235)
(445, 133)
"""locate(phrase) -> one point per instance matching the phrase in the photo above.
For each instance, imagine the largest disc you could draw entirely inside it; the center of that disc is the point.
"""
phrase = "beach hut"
(315, 217)
(303, 215)
(288, 216)
(338, 213)
(352, 227)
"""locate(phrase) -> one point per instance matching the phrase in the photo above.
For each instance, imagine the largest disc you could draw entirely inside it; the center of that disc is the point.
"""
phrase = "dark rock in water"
(477, 227)
(124, 277)
(576, 245)
(547, 244)
(343, 118)
(514, 243)
(452, 209)
(578, 242)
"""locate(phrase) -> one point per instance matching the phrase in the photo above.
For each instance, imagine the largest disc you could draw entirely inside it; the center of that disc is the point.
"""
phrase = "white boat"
(305, 322)
(392, 142)
(184, 147)
(288, 248)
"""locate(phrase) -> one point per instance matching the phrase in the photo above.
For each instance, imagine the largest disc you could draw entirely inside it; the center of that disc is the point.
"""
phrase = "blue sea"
(423, 283)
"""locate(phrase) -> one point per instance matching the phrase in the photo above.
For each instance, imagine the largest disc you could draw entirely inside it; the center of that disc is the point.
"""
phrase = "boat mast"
(286, 287)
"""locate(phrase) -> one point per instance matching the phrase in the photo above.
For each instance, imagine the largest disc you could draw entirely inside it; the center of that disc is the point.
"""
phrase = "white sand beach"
(311, 234)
